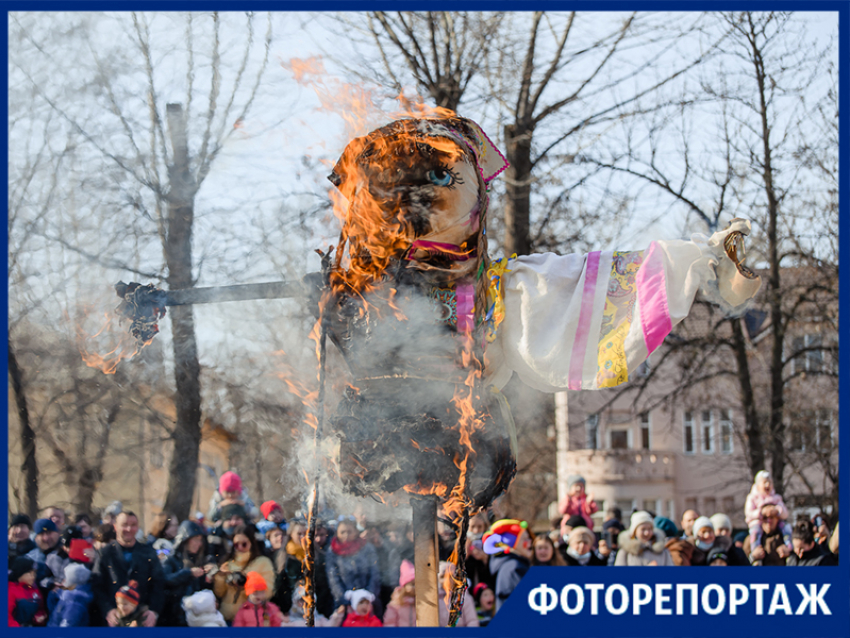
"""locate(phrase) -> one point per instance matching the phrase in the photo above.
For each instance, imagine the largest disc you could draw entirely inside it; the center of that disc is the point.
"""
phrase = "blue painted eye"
(440, 177)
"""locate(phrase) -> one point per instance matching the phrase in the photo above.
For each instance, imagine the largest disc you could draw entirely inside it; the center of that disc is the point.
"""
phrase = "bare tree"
(443, 51)
(771, 158)
(154, 159)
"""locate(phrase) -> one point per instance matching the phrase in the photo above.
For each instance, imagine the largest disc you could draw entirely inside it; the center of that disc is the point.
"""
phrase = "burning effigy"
(431, 328)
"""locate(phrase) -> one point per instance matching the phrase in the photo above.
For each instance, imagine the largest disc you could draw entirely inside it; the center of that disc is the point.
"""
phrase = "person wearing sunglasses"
(229, 581)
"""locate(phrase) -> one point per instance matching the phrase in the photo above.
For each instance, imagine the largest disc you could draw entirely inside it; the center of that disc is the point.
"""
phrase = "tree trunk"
(29, 467)
(777, 388)
(187, 370)
(518, 189)
(752, 431)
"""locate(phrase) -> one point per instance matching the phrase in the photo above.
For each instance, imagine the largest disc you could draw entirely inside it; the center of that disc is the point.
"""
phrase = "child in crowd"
(717, 558)
(230, 492)
(257, 611)
(295, 618)
(69, 603)
(360, 605)
(445, 582)
(201, 610)
(761, 494)
(544, 553)
(485, 603)
(401, 610)
(272, 518)
(130, 612)
(26, 606)
(577, 503)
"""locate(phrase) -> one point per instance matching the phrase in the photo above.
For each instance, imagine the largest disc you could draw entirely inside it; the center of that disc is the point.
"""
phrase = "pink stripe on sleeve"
(584, 319)
(652, 298)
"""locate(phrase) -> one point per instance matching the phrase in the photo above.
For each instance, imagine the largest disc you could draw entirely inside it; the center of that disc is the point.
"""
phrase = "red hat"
(230, 482)
(77, 550)
(254, 582)
(268, 507)
(129, 592)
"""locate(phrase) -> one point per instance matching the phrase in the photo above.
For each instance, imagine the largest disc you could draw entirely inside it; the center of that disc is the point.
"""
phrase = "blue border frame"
(517, 618)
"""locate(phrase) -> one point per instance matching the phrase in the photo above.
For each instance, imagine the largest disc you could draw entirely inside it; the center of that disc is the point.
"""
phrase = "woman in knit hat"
(257, 611)
(706, 540)
(130, 612)
(722, 524)
(642, 544)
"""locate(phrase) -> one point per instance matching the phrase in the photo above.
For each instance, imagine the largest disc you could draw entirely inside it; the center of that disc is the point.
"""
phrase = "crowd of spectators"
(241, 565)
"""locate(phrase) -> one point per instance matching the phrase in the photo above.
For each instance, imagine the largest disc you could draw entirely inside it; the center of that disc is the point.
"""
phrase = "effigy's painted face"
(420, 188)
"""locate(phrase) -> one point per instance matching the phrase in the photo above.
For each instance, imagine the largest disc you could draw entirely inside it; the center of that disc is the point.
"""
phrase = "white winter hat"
(721, 521)
(638, 518)
(201, 602)
(702, 521)
(762, 474)
(76, 574)
(354, 596)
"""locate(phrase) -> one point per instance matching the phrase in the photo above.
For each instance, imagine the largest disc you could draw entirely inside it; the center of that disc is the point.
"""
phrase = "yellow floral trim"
(496, 296)
(617, 319)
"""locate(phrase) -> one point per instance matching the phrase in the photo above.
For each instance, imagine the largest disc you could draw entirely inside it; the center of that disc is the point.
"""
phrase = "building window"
(710, 504)
(707, 433)
(592, 428)
(726, 441)
(823, 427)
(619, 439)
(808, 355)
(691, 504)
(728, 505)
(671, 510)
(811, 430)
(688, 434)
(644, 431)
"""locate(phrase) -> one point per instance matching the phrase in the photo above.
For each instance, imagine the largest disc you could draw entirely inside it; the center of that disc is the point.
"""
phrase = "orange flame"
(111, 337)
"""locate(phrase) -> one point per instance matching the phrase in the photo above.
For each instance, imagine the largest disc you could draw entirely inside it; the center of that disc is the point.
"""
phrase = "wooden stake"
(426, 557)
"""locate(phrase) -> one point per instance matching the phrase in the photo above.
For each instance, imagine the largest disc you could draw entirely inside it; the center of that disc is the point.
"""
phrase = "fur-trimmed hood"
(635, 547)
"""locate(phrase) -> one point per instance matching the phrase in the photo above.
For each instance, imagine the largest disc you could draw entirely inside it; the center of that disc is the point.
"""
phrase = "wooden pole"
(426, 558)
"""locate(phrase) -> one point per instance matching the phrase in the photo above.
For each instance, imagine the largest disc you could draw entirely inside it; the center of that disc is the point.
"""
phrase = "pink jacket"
(251, 615)
(399, 613)
(578, 505)
(468, 617)
(755, 501)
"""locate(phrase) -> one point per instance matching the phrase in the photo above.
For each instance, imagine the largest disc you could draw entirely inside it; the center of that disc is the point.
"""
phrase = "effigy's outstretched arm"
(583, 322)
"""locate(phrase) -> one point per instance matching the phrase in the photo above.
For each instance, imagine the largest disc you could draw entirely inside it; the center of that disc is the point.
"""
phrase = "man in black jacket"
(121, 561)
(807, 553)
